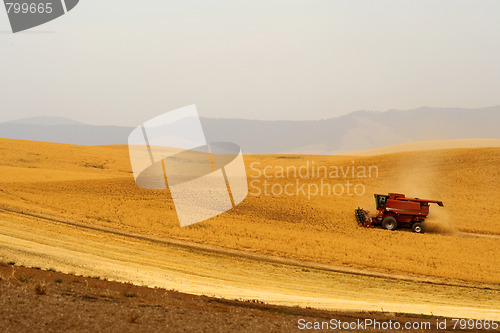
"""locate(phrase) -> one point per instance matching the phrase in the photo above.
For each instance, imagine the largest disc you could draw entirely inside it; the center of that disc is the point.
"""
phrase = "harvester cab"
(380, 201)
(395, 209)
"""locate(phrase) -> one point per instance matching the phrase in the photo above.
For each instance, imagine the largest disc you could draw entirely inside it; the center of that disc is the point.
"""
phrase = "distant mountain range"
(63, 130)
(46, 121)
(361, 130)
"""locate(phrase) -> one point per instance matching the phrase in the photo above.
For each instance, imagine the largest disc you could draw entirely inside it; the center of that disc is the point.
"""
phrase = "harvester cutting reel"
(363, 218)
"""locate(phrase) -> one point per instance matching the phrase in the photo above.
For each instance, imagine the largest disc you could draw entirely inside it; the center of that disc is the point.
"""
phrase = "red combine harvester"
(395, 210)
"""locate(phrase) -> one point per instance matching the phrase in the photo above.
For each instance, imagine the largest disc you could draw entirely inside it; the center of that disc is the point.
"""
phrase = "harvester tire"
(389, 223)
(417, 227)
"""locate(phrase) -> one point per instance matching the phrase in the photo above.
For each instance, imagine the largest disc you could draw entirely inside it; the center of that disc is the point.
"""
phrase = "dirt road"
(45, 243)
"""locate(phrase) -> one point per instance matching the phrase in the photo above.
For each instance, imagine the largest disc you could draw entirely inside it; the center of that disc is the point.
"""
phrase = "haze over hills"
(361, 130)
(46, 121)
(63, 130)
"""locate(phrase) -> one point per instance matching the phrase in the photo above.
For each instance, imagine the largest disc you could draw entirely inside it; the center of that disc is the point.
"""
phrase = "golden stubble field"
(95, 185)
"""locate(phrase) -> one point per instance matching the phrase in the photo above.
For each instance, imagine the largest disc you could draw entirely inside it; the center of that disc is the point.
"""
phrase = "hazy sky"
(122, 62)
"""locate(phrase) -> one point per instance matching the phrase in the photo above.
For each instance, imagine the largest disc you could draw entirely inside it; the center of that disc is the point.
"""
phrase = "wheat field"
(95, 185)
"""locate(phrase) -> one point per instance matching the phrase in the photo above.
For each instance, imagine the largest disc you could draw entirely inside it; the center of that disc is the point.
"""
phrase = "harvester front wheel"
(389, 223)
(417, 227)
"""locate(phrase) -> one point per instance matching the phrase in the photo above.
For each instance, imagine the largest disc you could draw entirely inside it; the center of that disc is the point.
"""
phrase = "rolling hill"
(95, 185)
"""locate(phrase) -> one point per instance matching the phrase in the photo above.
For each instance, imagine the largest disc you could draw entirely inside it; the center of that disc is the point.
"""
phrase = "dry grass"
(83, 308)
(54, 179)
(133, 319)
(40, 289)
